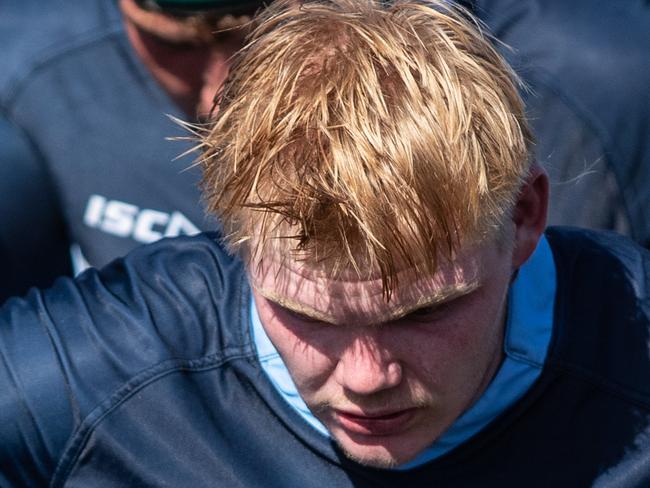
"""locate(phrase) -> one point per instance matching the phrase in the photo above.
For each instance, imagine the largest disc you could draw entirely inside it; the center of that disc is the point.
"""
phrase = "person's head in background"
(370, 163)
(187, 44)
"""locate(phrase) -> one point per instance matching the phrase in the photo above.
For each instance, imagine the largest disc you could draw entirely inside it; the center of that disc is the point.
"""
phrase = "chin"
(376, 455)
(371, 459)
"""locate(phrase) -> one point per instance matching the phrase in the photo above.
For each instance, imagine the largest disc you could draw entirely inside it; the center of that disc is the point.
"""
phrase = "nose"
(365, 368)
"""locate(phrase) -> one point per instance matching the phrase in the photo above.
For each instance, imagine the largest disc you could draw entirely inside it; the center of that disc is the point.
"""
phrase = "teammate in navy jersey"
(86, 91)
(385, 307)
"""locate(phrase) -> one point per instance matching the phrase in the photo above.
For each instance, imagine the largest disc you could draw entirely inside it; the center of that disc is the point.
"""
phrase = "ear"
(529, 215)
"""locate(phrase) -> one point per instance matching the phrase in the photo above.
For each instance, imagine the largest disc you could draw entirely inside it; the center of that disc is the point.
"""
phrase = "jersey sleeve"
(68, 352)
(37, 409)
(33, 244)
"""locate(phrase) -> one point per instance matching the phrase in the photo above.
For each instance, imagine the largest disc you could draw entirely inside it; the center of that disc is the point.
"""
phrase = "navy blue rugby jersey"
(144, 374)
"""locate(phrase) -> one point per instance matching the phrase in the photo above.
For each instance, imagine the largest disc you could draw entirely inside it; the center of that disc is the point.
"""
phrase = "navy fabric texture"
(586, 66)
(144, 374)
(30, 217)
(94, 122)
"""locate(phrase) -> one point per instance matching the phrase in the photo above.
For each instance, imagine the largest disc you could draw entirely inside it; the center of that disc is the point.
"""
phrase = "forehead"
(296, 286)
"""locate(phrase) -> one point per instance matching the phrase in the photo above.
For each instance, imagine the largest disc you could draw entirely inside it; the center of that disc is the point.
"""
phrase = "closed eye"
(427, 313)
(297, 315)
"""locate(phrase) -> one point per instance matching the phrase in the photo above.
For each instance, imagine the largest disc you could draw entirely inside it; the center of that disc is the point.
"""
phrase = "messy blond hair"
(365, 134)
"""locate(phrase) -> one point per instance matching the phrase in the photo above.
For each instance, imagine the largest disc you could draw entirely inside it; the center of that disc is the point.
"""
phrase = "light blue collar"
(528, 333)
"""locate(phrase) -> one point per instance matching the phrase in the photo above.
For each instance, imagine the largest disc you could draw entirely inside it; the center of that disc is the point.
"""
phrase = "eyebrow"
(292, 306)
(441, 297)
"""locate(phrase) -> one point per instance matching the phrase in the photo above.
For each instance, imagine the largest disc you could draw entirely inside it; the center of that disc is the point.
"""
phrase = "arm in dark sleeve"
(36, 408)
(33, 245)
(66, 351)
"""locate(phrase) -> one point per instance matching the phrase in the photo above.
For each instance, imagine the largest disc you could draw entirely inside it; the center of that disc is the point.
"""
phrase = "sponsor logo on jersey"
(144, 225)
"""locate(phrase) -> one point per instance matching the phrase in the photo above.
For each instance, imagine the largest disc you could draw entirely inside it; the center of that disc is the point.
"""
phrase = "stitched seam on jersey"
(126, 391)
(624, 393)
(510, 351)
(244, 316)
(51, 55)
(519, 357)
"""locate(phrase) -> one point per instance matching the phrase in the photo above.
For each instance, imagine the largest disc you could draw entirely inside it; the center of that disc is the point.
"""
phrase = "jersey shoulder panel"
(602, 313)
(34, 34)
(73, 351)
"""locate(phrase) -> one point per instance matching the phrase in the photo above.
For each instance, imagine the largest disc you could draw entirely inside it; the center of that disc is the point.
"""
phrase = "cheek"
(456, 350)
(308, 355)
(433, 357)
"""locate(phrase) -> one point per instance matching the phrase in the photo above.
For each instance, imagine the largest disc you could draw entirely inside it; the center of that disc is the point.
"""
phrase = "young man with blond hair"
(386, 309)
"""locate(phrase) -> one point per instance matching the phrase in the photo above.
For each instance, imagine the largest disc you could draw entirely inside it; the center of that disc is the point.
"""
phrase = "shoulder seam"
(623, 393)
(151, 375)
(51, 55)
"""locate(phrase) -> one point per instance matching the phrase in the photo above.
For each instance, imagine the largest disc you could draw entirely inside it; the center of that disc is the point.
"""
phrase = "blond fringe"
(355, 134)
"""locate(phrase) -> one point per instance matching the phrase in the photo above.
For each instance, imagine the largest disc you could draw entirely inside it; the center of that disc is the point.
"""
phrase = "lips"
(375, 424)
